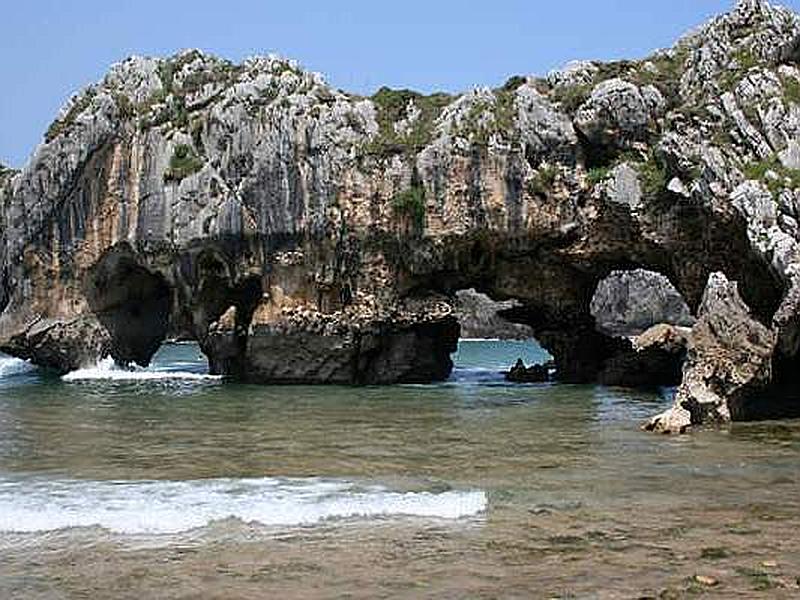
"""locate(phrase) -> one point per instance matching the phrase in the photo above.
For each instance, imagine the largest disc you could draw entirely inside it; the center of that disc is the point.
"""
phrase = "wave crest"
(13, 366)
(163, 507)
(107, 370)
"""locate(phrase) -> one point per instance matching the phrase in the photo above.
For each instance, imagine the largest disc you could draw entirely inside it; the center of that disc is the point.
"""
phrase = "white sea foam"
(163, 507)
(13, 366)
(108, 370)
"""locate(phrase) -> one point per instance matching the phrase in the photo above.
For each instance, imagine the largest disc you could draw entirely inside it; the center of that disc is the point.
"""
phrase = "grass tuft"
(184, 162)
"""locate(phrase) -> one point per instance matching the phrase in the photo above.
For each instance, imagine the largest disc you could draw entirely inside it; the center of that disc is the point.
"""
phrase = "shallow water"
(165, 483)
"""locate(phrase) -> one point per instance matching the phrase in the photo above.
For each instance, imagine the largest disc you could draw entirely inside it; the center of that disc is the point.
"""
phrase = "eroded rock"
(628, 303)
(263, 212)
(61, 346)
(480, 319)
(655, 359)
(729, 363)
(350, 351)
(618, 113)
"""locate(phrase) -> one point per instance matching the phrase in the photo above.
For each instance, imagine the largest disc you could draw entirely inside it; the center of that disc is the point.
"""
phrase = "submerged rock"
(519, 373)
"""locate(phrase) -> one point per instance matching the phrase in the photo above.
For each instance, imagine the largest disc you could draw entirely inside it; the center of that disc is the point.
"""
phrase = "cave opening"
(781, 399)
(491, 343)
(132, 303)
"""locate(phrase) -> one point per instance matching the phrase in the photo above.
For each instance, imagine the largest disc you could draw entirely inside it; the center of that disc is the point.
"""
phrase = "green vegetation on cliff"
(5, 173)
(184, 162)
(543, 181)
(663, 70)
(743, 61)
(410, 204)
(417, 110)
(791, 90)
(597, 175)
(219, 71)
(773, 174)
(653, 177)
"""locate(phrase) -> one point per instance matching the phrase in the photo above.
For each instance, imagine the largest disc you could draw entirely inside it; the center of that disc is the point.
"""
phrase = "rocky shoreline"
(639, 218)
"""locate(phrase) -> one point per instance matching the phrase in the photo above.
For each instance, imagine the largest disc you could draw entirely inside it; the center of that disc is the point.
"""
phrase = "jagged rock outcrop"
(648, 316)
(278, 220)
(729, 363)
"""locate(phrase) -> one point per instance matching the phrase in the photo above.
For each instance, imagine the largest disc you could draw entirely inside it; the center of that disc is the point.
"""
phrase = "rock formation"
(480, 317)
(303, 234)
(628, 303)
(729, 364)
(648, 317)
(519, 373)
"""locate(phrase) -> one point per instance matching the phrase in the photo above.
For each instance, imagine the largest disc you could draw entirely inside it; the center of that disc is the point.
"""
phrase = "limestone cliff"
(303, 234)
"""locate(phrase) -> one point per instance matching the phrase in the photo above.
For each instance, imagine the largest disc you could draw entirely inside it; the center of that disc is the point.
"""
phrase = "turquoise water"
(169, 483)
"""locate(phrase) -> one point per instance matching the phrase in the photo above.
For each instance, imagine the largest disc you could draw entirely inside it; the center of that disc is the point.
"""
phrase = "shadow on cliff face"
(131, 302)
(5, 291)
(781, 400)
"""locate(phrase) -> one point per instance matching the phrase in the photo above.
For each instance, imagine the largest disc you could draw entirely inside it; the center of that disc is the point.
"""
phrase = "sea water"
(168, 482)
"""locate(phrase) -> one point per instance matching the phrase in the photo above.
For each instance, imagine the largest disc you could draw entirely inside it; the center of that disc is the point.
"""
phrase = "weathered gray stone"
(628, 303)
(547, 133)
(61, 346)
(623, 186)
(578, 72)
(479, 318)
(616, 113)
(790, 157)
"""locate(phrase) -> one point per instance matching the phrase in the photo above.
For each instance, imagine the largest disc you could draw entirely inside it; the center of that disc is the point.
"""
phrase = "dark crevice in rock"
(131, 302)
(226, 342)
(5, 288)
(596, 155)
(778, 401)
(700, 242)
(648, 368)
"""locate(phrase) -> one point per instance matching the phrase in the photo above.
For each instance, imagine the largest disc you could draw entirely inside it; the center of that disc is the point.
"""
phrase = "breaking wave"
(13, 366)
(164, 507)
(108, 370)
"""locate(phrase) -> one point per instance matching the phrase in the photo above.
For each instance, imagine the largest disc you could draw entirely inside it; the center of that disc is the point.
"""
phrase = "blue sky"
(51, 48)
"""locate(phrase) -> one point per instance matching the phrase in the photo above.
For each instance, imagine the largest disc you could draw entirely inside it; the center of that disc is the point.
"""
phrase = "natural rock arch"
(131, 303)
(284, 221)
